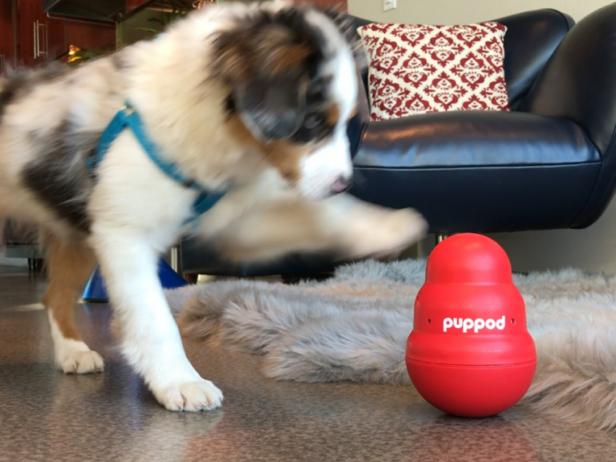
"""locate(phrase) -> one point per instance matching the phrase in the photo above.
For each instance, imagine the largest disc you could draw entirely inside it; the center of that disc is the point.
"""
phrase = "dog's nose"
(342, 183)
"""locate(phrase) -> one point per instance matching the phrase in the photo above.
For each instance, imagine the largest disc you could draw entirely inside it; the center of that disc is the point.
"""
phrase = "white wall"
(461, 11)
(592, 249)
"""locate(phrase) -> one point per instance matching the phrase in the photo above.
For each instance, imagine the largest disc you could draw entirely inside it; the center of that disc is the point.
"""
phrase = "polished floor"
(46, 416)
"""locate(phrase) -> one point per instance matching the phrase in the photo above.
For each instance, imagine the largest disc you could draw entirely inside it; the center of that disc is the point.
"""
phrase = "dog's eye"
(314, 128)
(312, 121)
(316, 94)
(317, 89)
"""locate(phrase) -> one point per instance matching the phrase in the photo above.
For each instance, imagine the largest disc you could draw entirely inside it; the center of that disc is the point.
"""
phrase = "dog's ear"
(267, 67)
(348, 29)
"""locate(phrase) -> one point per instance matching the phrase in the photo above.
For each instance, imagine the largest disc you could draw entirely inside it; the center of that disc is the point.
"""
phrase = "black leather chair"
(549, 163)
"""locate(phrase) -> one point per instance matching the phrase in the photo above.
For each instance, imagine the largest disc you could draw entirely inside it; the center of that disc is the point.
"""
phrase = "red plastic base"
(471, 391)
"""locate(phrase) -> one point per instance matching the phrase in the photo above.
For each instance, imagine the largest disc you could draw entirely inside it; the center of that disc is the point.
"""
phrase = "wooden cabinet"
(134, 4)
(28, 37)
(33, 33)
(7, 42)
(91, 36)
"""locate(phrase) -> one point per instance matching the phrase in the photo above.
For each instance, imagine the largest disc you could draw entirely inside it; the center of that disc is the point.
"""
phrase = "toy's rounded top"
(468, 258)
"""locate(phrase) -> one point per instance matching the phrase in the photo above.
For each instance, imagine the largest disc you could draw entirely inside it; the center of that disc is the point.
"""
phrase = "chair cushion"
(484, 198)
(463, 139)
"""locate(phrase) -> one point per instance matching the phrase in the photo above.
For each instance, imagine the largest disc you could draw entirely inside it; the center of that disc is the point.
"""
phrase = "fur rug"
(354, 327)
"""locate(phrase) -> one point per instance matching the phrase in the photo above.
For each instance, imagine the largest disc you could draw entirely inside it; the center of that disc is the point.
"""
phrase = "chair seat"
(479, 171)
(473, 139)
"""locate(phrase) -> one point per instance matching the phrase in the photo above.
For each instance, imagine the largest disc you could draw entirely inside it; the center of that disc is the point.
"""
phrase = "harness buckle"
(128, 109)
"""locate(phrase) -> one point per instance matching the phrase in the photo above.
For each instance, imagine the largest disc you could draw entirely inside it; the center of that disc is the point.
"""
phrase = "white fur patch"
(323, 167)
(73, 356)
(151, 340)
(332, 161)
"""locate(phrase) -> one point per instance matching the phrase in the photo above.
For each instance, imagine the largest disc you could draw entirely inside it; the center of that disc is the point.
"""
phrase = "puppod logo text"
(474, 325)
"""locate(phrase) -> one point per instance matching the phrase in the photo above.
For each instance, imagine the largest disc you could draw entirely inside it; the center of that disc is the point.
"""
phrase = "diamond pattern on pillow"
(416, 69)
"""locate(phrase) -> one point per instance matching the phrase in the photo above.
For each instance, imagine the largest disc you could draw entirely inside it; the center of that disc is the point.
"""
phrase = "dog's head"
(292, 83)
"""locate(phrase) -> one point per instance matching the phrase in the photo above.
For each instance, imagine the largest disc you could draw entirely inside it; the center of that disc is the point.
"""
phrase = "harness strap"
(127, 117)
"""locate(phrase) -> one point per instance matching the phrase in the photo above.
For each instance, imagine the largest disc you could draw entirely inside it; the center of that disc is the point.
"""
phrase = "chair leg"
(440, 238)
(192, 278)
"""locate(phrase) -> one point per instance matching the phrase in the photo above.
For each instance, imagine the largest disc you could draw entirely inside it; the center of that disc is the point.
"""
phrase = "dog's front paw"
(386, 232)
(399, 230)
(195, 396)
(74, 361)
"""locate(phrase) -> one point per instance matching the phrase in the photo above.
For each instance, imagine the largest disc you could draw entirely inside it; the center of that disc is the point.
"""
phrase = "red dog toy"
(469, 353)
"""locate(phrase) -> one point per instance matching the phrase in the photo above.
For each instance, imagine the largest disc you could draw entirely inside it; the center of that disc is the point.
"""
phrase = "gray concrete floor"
(46, 416)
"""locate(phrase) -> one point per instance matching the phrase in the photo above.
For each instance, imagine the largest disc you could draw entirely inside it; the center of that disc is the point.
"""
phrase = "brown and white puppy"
(252, 99)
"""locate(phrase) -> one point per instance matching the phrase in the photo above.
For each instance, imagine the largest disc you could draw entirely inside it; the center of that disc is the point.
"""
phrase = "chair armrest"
(579, 82)
(530, 41)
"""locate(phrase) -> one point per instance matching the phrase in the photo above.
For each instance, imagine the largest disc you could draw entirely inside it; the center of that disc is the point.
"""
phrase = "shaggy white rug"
(354, 327)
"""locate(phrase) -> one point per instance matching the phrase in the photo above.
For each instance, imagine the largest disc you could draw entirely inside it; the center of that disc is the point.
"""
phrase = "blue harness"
(127, 117)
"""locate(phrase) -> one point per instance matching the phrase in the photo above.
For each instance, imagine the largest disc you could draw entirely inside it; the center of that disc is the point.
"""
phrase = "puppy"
(249, 101)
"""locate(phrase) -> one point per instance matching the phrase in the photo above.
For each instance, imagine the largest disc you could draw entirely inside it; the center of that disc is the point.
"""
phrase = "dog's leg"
(68, 264)
(343, 225)
(151, 340)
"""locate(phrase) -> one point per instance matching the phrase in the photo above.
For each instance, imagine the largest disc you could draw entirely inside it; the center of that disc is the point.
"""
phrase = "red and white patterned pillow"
(416, 69)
